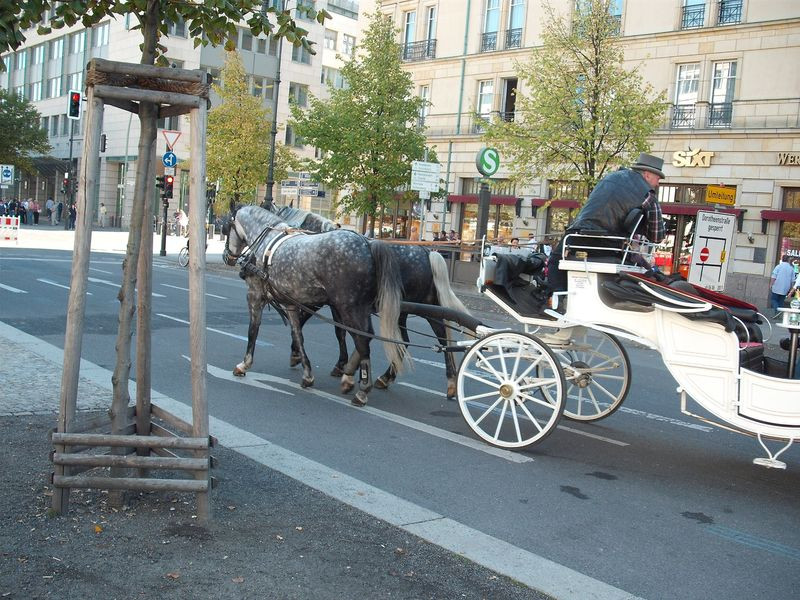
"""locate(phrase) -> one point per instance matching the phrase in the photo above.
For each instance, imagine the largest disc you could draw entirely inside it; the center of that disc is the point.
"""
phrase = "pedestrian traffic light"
(160, 182)
(169, 180)
(65, 185)
(75, 186)
(74, 107)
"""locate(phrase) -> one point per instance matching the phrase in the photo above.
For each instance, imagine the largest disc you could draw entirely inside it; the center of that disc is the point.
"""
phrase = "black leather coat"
(611, 201)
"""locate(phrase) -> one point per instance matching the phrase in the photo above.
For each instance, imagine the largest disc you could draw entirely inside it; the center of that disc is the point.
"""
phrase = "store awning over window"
(793, 216)
(473, 199)
(556, 203)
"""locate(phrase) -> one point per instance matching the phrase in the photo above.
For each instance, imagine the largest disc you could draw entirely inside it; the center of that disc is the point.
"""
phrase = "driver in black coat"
(608, 206)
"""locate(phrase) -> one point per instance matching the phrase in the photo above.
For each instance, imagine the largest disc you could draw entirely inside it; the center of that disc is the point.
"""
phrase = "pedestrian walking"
(35, 209)
(780, 283)
(59, 210)
(73, 215)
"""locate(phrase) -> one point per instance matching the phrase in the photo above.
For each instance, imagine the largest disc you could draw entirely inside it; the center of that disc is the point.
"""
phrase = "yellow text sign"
(720, 194)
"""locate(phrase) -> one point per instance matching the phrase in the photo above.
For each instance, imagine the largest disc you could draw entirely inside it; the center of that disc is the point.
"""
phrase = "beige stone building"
(729, 71)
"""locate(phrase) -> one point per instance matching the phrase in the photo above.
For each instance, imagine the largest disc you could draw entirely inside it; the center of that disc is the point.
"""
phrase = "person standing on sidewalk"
(36, 209)
(49, 207)
(103, 212)
(780, 284)
(73, 214)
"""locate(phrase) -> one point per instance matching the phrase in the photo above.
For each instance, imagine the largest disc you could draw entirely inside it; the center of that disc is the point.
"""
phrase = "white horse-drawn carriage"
(513, 386)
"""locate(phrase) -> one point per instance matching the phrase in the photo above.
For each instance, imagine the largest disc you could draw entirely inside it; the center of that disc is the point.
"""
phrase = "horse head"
(247, 226)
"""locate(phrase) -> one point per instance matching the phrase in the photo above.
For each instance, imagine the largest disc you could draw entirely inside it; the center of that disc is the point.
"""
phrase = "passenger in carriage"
(608, 206)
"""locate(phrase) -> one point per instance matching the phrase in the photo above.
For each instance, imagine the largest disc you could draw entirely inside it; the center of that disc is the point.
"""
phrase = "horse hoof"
(451, 398)
(336, 372)
(307, 382)
(360, 399)
(239, 372)
(381, 383)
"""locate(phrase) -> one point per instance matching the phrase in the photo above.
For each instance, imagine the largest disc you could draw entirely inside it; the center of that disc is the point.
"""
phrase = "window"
(77, 42)
(694, 12)
(722, 89)
(54, 87)
(273, 46)
(730, 11)
(509, 99)
(516, 18)
(247, 40)
(38, 54)
(348, 45)
(409, 27)
(491, 24)
(333, 77)
(257, 87)
(301, 55)
(177, 29)
(45, 123)
(304, 3)
(430, 29)
(19, 91)
(65, 126)
(36, 91)
(54, 129)
(330, 39)
(21, 59)
(291, 139)
(76, 80)
(615, 10)
(424, 94)
(168, 123)
(346, 8)
(561, 189)
(100, 35)
(683, 113)
(485, 103)
(298, 94)
(57, 48)
(261, 45)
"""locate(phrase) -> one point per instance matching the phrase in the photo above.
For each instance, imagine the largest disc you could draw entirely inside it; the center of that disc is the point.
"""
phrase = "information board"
(713, 245)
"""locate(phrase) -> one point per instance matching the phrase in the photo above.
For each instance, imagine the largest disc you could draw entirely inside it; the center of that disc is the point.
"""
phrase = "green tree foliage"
(22, 134)
(580, 112)
(368, 130)
(238, 138)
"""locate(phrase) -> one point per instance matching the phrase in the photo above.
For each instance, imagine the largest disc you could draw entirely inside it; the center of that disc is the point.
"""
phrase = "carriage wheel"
(501, 384)
(598, 374)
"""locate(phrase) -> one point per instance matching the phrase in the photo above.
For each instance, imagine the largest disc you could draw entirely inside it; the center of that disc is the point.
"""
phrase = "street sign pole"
(483, 211)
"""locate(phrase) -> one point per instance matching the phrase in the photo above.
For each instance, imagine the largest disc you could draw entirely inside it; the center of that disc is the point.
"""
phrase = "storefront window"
(500, 224)
(790, 231)
(557, 220)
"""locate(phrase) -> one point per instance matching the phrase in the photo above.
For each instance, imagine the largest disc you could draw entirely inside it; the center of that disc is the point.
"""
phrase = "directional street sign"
(169, 159)
(425, 176)
(6, 174)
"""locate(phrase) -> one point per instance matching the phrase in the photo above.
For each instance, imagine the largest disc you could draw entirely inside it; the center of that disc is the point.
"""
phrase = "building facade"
(47, 67)
(728, 69)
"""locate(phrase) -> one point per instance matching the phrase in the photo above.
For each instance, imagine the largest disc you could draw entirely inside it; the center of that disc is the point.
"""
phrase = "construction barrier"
(9, 229)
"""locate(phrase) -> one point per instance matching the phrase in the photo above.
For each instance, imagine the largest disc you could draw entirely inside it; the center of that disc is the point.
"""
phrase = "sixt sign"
(692, 158)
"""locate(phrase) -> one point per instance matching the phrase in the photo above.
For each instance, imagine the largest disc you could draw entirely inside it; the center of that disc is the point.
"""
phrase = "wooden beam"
(135, 441)
(139, 70)
(154, 96)
(173, 111)
(131, 483)
(170, 419)
(131, 461)
(126, 105)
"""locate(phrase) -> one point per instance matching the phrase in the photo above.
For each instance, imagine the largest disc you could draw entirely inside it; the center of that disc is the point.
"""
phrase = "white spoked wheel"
(598, 374)
(501, 384)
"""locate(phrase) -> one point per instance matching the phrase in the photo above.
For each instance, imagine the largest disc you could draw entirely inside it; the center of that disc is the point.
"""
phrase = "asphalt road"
(649, 501)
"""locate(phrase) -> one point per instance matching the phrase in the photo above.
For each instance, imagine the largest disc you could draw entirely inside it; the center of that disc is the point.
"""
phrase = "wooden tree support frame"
(135, 442)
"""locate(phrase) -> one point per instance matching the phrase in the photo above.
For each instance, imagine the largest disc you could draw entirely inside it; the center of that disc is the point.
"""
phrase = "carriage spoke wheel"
(598, 374)
(501, 389)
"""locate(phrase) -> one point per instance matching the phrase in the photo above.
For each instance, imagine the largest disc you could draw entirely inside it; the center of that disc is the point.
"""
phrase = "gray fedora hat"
(648, 162)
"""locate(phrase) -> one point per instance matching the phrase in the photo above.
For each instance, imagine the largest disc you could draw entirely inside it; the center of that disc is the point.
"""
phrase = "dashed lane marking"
(219, 331)
(66, 287)
(12, 289)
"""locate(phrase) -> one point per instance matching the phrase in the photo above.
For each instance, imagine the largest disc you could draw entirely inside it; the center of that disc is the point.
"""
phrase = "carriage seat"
(605, 246)
(518, 280)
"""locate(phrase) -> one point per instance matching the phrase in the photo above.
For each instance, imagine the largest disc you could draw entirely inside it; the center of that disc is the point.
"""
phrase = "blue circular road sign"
(169, 159)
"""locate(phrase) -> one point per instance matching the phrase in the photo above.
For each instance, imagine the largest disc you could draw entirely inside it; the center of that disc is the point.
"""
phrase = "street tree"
(580, 111)
(238, 138)
(22, 132)
(213, 23)
(367, 130)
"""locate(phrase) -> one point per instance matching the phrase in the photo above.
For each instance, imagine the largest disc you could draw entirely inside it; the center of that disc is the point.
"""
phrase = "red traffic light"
(169, 179)
(76, 96)
(74, 106)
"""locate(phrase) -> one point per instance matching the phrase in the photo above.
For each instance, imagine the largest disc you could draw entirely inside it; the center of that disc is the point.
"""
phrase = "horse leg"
(390, 375)
(341, 337)
(439, 329)
(295, 321)
(349, 368)
(365, 373)
(296, 356)
(255, 304)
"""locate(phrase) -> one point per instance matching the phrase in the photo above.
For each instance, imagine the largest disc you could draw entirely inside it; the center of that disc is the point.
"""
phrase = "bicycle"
(183, 255)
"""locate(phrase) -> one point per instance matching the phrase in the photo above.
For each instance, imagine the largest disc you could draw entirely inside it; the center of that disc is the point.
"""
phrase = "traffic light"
(160, 182)
(169, 180)
(75, 186)
(74, 107)
(65, 185)
(103, 143)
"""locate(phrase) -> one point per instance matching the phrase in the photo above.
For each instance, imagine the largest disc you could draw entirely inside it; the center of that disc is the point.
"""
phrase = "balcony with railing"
(488, 41)
(424, 50)
(346, 8)
(720, 114)
(693, 16)
(683, 116)
(730, 11)
(513, 38)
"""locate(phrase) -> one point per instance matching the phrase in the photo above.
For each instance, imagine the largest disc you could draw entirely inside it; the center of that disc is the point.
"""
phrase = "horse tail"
(441, 281)
(390, 296)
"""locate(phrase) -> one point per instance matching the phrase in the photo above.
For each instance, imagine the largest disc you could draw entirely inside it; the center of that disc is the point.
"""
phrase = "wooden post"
(76, 306)
(197, 289)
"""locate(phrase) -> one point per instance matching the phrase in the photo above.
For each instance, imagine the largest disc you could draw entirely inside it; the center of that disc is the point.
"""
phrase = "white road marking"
(526, 567)
(514, 457)
(176, 287)
(66, 287)
(219, 331)
(12, 289)
(116, 285)
(100, 271)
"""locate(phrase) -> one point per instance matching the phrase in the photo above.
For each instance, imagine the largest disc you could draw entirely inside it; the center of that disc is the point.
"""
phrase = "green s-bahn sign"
(487, 161)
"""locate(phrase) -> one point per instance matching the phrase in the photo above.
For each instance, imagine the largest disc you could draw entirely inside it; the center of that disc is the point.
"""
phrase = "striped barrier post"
(9, 229)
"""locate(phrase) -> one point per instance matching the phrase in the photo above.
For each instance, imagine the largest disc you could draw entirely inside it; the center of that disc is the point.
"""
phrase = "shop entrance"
(674, 254)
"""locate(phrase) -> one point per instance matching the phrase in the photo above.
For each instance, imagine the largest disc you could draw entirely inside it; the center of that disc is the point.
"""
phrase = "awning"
(556, 203)
(473, 199)
(47, 166)
(789, 216)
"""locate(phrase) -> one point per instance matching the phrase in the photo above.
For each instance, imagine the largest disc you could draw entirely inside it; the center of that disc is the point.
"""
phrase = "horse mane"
(304, 219)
